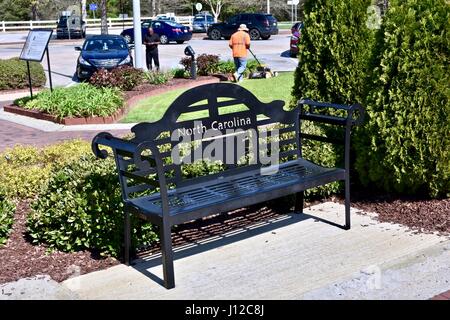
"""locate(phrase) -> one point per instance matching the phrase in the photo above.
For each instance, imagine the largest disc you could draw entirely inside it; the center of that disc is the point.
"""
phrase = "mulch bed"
(421, 215)
(20, 259)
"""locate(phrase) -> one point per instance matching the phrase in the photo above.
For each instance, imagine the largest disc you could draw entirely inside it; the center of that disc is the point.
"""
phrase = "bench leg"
(167, 256)
(299, 202)
(347, 205)
(127, 238)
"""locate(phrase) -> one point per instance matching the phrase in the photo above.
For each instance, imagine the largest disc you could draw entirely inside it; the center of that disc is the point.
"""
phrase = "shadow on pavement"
(286, 54)
(219, 239)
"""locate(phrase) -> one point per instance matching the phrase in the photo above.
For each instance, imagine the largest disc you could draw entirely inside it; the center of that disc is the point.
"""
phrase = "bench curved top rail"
(230, 94)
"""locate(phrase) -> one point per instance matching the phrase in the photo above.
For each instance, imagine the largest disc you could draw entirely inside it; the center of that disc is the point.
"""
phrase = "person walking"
(240, 43)
(151, 41)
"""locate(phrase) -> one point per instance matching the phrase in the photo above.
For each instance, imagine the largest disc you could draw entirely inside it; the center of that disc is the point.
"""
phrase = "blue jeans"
(240, 64)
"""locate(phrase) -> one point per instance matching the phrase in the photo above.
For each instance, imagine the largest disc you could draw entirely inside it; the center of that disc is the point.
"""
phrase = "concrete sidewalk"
(288, 258)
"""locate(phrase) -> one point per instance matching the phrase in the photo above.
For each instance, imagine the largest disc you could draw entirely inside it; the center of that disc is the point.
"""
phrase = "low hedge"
(24, 170)
(14, 74)
(7, 209)
(208, 64)
(83, 100)
(81, 208)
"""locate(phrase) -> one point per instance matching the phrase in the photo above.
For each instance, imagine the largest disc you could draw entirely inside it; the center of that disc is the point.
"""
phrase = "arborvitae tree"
(405, 145)
(334, 53)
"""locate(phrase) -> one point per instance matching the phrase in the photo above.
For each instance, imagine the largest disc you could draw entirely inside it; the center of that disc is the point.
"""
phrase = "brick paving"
(12, 134)
(442, 296)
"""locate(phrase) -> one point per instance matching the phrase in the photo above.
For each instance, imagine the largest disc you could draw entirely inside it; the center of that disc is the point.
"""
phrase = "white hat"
(243, 27)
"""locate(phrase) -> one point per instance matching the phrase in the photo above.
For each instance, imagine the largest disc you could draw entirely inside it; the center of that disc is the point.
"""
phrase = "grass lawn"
(285, 25)
(266, 90)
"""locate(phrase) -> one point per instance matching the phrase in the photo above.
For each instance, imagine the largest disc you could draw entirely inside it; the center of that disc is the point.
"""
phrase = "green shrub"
(334, 51)
(251, 67)
(14, 74)
(82, 100)
(324, 154)
(157, 77)
(7, 209)
(129, 77)
(405, 145)
(25, 169)
(104, 78)
(228, 67)
(124, 77)
(206, 64)
(180, 73)
(82, 208)
(225, 67)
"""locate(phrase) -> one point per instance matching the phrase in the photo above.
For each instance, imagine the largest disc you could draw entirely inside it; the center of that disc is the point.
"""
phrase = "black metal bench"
(148, 162)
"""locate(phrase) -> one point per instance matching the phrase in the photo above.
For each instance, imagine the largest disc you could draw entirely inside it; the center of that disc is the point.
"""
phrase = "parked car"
(70, 27)
(297, 27)
(167, 31)
(260, 25)
(296, 31)
(102, 51)
(166, 18)
(202, 22)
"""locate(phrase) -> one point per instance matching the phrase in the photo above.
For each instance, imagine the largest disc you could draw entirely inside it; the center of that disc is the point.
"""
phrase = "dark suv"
(260, 25)
(70, 27)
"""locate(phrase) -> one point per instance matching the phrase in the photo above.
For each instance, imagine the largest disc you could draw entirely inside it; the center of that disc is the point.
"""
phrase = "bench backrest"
(224, 121)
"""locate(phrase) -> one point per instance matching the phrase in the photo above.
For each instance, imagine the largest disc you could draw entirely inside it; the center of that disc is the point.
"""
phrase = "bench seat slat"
(291, 177)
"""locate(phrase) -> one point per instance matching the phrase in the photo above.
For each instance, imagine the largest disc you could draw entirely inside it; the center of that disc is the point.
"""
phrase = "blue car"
(102, 52)
(167, 31)
(202, 22)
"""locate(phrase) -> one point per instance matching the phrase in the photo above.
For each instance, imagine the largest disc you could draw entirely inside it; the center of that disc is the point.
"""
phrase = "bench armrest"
(106, 139)
(352, 110)
(144, 163)
(129, 149)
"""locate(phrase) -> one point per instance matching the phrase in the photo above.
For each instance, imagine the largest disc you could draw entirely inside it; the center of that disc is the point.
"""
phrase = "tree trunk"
(153, 12)
(104, 22)
(83, 10)
(34, 12)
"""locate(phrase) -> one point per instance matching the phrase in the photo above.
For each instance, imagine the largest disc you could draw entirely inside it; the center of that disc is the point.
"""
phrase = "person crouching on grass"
(240, 43)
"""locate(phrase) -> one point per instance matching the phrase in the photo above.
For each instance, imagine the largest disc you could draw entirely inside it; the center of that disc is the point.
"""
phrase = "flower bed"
(66, 120)
(129, 99)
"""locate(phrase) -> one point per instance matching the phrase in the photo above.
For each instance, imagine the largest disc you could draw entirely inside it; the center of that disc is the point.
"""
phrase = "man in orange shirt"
(239, 43)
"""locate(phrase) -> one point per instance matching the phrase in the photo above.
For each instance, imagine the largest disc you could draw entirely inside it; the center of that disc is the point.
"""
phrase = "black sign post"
(29, 79)
(33, 50)
(49, 71)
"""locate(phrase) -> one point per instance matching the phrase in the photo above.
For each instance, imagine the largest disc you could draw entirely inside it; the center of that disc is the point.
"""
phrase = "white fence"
(90, 23)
